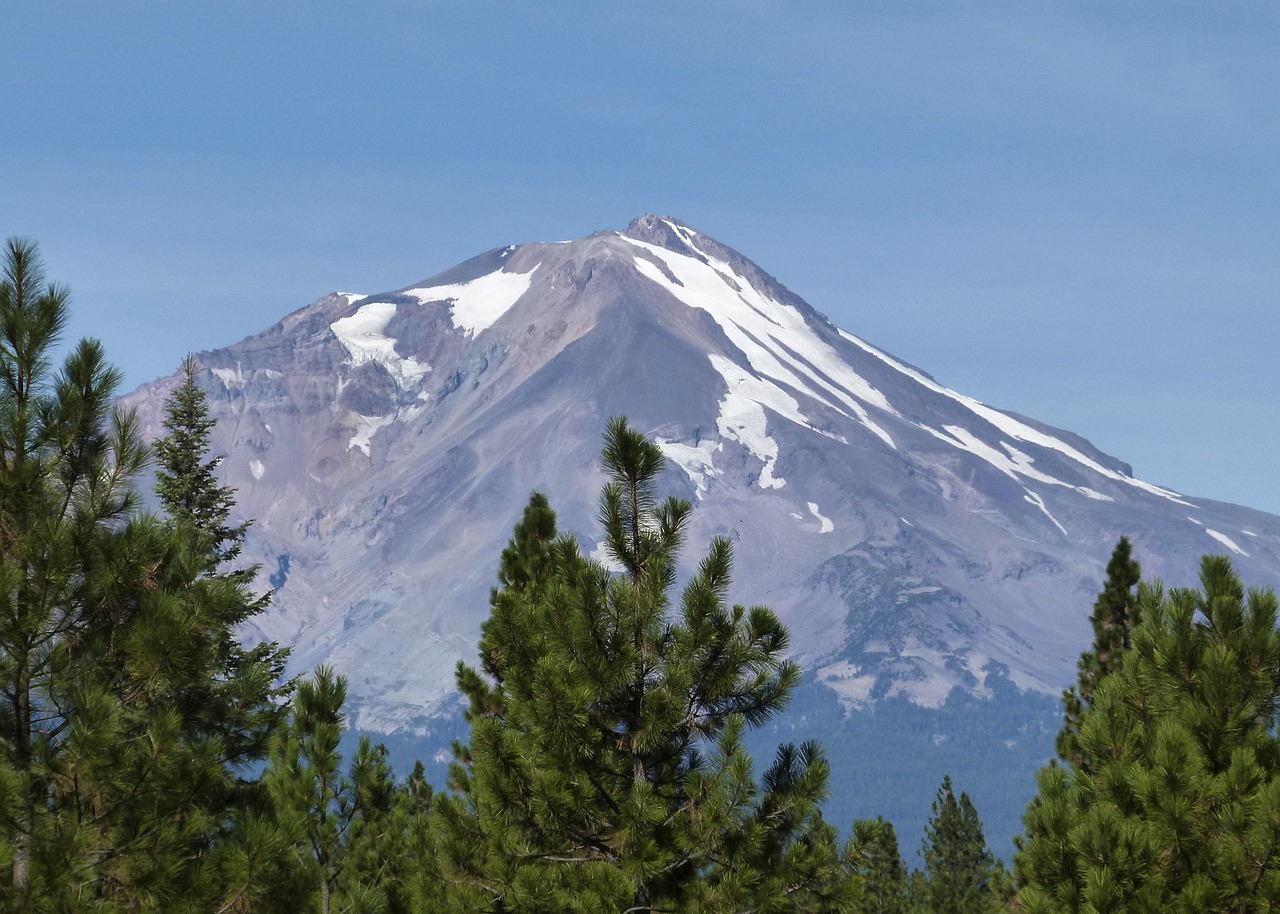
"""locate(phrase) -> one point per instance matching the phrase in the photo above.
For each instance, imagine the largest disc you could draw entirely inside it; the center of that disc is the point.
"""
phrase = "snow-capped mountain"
(916, 541)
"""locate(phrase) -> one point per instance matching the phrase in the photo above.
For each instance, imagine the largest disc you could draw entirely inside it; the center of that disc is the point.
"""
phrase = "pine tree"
(65, 466)
(238, 693)
(961, 875)
(186, 476)
(1179, 809)
(1115, 616)
(884, 875)
(605, 769)
(352, 835)
(124, 713)
(229, 697)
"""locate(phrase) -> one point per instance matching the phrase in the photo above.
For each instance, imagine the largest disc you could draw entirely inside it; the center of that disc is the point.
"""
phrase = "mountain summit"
(918, 543)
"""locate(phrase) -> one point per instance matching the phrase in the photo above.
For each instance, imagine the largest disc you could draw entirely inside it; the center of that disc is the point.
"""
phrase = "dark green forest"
(151, 761)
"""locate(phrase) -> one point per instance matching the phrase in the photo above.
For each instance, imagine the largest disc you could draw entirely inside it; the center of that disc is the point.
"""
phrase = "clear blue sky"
(1067, 209)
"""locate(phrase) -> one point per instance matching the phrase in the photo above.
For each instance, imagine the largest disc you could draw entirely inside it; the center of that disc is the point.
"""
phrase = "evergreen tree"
(115, 767)
(960, 874)
(1179, 809)
(884, 875)
(352, 835)
(65, 465)
(228, 697)
(237, 695)
(605, 769)
(186, 476)
(1115, 616)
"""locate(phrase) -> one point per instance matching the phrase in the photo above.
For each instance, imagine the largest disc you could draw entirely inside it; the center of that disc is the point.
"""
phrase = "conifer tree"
(186, 475)
(961, 875)
(238, 693)
(884, 875)
(115, 771)
(351, 834)
(1115, 616)
(65, 466)
(229, 697)
(311, 796)
(605, 769)
(1179, 809)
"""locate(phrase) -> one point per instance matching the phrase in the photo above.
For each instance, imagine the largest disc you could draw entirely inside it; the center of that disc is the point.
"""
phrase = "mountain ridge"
(915, 540)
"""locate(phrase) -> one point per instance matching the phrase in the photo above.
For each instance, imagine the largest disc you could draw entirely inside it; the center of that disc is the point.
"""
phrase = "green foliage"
(186, 476)
(234, 691)
(125, 712)
(1179, 809)
(1115, 616)
(884, 875)
(350, 836)
(68, 579)
(605, 769)
(960, 875)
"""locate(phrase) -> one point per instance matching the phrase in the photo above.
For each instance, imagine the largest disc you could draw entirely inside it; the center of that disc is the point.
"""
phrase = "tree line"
(151, 761)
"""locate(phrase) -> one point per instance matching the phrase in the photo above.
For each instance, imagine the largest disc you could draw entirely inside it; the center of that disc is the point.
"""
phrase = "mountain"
(927, 551)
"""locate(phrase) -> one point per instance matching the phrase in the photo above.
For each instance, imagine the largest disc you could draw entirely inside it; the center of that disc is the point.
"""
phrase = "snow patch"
(366, 428)
(1248, 533)
(695, 460)
(1194, 521)
(1017, 430)
(1013, 463)
(1226, 541)
(229, 377)
(1035, 499)
(363, 334)
(777, 340)
(256, 468)
(477, 304)
(827, 525)
(851, 685)
(742, 417)
(1095, 495)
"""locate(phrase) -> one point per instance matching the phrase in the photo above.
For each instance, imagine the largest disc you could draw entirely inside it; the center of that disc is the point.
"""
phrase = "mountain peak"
(913, 538)
(665, 232)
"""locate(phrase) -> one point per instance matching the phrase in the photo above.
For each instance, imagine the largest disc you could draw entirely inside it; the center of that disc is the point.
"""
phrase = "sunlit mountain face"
(928, 552)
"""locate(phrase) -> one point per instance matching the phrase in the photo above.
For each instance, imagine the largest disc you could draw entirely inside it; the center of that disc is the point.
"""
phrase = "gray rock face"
(915, 541)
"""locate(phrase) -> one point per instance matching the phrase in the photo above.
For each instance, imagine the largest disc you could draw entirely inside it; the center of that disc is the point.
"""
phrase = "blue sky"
(1071, 210)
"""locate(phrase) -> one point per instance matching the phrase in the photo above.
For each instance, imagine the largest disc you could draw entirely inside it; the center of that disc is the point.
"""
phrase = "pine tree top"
(186, 477)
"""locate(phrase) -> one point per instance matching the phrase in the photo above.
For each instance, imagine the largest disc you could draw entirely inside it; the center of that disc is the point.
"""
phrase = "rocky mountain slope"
(912, 537)
(918, 543)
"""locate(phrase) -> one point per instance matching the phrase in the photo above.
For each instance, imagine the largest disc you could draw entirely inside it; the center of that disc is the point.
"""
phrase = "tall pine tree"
(1115, 616)
(237, 693)
(65, 467)
(1179, 807)
(125, 709)
(605, 769)
(960, 874)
